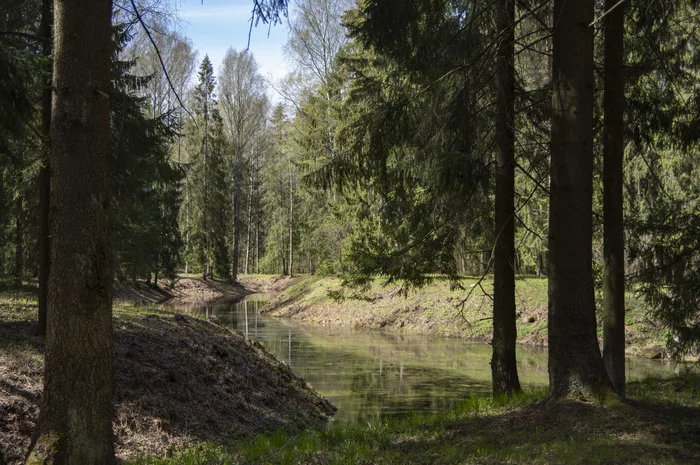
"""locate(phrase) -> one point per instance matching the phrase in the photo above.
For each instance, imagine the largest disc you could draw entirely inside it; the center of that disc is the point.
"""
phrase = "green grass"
(437, 309)
(661, 425)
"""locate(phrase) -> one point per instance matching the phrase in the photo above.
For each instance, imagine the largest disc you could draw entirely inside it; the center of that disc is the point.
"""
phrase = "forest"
(498, 155)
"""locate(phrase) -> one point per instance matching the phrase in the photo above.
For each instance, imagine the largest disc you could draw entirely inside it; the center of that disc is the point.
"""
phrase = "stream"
(373, 375)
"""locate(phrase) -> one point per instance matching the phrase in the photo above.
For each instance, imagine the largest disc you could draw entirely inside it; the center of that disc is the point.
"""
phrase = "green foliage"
(206, 215)
(661, 168)
(144, 184)
(414, 139)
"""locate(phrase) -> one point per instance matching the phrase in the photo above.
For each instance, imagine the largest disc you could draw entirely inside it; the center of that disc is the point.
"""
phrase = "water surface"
(371, 375)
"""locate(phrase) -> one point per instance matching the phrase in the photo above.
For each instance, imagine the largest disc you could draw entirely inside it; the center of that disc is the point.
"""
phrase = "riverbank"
(659, 425)
(179, 380)
(440, 309)
(187, 288)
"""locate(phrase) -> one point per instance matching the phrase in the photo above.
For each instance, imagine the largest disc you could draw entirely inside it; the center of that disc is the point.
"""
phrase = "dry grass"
(178, 380)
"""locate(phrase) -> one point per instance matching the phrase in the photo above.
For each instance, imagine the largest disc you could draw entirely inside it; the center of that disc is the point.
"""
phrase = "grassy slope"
(178, 380)
(661, 425)
(438, 309)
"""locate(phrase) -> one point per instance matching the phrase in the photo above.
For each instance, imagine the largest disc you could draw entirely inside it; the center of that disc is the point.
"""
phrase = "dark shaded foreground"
(179, 380)
(661, 425)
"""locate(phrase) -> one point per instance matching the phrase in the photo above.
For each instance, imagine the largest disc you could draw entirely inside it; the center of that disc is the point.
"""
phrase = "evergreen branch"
(24, 35)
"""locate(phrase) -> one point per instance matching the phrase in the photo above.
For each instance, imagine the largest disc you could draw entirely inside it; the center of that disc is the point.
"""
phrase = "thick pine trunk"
(613, 235)
(575, 363)
(75, 423)
(504, 371)
(45, 177)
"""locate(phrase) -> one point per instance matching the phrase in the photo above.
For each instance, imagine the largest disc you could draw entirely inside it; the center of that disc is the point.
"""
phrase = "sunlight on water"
(371, 375)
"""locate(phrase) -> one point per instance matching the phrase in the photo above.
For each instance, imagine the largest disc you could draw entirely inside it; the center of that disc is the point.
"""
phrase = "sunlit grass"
(523, 429)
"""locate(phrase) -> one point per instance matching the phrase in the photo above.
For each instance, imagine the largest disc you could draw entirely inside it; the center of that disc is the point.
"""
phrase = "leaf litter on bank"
(179, 380)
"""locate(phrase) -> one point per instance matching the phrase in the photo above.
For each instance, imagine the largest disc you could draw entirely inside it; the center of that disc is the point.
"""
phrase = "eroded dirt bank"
(178, 380)
(181, 289)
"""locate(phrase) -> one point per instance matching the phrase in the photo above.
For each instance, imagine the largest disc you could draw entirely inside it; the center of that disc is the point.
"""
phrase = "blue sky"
(217, 25)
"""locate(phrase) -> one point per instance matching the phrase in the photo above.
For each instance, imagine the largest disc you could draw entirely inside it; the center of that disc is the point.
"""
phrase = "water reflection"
(371, 375)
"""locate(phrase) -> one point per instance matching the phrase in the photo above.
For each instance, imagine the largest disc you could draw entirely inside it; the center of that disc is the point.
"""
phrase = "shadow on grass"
(660, 432)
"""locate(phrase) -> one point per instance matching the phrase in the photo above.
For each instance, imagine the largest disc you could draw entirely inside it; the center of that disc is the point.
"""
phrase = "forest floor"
(179, 381)
(441, 309)
(659, 424)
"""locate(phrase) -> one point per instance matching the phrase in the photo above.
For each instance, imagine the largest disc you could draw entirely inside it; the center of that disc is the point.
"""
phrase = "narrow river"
(371, 375)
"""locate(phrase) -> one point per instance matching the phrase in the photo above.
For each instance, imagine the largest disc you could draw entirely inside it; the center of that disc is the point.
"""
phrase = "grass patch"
(661, 425)
(439, 308)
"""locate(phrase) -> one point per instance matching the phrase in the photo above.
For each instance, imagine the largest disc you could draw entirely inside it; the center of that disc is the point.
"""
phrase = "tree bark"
(3, 209)
(613, 233)
(75, 423)
(504, 370)
(250, 218)
(236, 214)
(575, 363)
(291, 220)
(45, 177)
(207, 251)
(19, 241)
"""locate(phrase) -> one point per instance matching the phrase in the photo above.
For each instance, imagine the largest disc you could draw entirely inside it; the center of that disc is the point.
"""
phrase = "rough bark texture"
(45, 178)
(575, 363)
(504, 371)
(613, 235)
(75, 424)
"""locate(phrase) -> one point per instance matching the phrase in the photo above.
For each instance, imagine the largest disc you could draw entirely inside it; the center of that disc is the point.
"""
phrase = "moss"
(47, 450)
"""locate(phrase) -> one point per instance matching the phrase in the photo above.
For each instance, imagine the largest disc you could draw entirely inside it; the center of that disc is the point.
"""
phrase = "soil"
(178, 380)
(269, 284)
(181, 290)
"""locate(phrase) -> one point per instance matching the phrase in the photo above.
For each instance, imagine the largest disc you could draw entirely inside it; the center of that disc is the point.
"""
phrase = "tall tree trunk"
(187, 223)
(19, 242)
(3, 209)
(504, 370)
(613, 235)
(206, 197)
(75, 423)
(45, 176)
(257, 244)
(236, 214)
(291, 220)
(250, 218)
(575, 363)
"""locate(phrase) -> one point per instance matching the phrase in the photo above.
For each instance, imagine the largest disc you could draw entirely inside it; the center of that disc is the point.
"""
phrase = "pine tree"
(575, 363)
